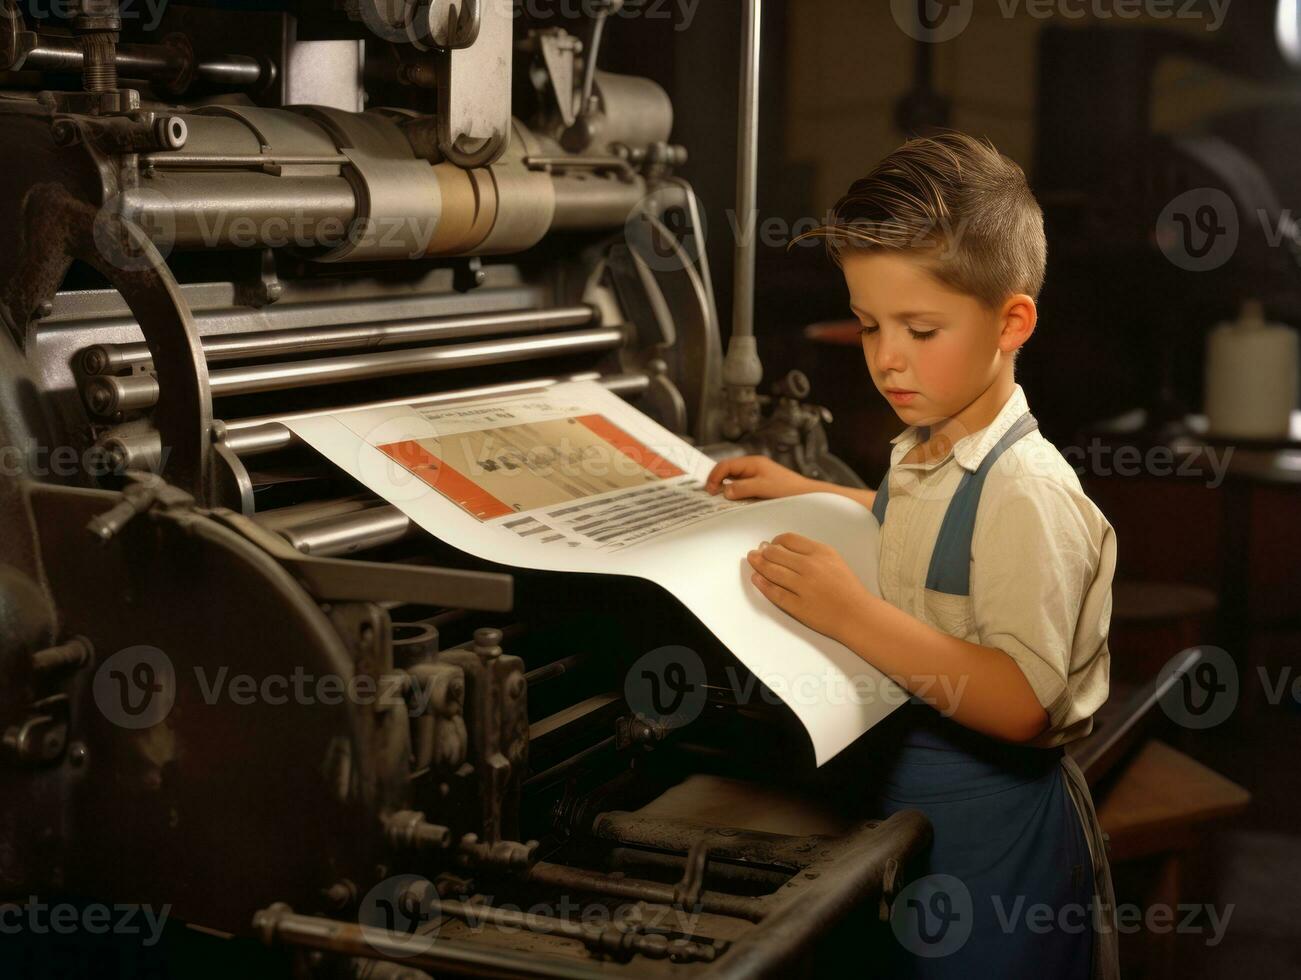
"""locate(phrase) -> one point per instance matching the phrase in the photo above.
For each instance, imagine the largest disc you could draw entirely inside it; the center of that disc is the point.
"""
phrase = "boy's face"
(931, 351)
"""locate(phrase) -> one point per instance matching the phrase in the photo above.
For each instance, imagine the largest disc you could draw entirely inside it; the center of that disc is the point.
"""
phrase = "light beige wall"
(850, 63)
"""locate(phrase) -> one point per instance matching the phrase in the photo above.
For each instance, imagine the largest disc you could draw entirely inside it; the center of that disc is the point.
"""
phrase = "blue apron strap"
(883, 491)
(950, 568)
(882, 498)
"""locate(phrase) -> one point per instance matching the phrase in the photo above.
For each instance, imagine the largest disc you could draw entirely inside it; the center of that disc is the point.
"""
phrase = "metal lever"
(143, 492)
(336, 579)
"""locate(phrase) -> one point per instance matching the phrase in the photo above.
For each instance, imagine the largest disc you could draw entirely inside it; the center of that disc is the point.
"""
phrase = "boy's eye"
(915, 334)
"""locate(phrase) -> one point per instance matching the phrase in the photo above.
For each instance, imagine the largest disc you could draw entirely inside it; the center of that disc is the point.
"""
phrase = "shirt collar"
(971, 450)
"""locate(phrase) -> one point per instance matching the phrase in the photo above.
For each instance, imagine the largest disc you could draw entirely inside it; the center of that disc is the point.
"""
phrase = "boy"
(995, 571)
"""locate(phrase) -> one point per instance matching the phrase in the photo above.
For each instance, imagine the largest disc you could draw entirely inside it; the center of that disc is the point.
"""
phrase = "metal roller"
(344, 534)
(109, 395)
(364, 187)
(140, 450)
(162, 62)
(112, 358)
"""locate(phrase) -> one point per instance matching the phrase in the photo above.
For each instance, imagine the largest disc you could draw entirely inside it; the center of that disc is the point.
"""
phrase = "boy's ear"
(1017, 319)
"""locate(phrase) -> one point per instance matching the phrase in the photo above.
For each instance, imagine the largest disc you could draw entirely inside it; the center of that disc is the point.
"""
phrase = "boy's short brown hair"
(959, 204)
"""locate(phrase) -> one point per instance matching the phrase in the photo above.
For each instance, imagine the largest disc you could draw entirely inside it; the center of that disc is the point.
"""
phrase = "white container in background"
(1251, 376)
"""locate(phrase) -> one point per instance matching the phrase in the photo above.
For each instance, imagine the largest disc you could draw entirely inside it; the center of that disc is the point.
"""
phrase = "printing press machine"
(236, 215)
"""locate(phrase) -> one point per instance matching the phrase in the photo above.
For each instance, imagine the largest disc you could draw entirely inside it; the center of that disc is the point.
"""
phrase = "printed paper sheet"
(574, 479)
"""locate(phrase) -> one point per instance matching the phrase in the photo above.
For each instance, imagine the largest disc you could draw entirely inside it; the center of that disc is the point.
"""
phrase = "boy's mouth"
(900, 396)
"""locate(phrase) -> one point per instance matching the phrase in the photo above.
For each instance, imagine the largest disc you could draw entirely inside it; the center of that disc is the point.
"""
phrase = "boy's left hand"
(810, 581)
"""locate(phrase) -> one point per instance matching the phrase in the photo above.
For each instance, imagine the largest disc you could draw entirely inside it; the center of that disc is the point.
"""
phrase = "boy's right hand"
(756, 476)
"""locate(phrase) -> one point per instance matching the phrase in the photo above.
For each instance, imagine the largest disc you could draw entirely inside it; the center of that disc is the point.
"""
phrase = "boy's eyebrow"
(906, 313)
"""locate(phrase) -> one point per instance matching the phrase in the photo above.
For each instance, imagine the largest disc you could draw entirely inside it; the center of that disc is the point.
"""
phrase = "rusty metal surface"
(197, 791)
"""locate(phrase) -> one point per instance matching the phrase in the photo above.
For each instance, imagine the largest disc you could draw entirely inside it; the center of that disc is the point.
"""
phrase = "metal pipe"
(580, 880)
(236, 160)
(638, 861)
(362, 367)
(109, 395)
(626, 385)
(313, 510)
(592, 936)
(796, 921)
(259, 440)
(77, 652)
(554, 669)
(112, 358)
(254, 437)
(599, 202)
(363, 305)
(735, 843)
(747, 175)
(742, 369)
(267, 433)
(244, 209)
(346, 534)
(279, 925)
(151, 61)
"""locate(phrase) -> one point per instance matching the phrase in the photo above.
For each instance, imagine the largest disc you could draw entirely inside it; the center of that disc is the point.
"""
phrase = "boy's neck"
(976, 415)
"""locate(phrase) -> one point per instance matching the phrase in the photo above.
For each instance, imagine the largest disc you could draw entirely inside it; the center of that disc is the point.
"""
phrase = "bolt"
(340, 895)
(75, 653)
(487, 642)
(101, 399)
(65, 132)
(94, 360)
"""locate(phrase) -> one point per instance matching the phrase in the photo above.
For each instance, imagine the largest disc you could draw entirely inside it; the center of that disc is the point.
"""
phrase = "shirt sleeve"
(1042, 564)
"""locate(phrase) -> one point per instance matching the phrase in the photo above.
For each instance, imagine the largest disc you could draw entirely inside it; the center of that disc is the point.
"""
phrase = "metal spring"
(99, 66)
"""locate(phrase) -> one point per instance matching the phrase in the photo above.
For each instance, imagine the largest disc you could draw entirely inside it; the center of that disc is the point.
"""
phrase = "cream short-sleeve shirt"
(1042, 561)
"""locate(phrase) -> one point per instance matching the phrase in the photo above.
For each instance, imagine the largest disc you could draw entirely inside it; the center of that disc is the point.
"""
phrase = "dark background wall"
(1092, 122)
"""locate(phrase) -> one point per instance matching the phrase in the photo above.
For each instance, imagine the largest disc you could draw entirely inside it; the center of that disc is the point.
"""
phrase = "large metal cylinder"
(347, 186)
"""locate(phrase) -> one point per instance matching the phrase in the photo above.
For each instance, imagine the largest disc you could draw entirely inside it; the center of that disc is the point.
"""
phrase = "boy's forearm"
(979, 687)
(864, 497)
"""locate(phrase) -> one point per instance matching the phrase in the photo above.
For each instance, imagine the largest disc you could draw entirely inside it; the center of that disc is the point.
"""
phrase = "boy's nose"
(886, 357)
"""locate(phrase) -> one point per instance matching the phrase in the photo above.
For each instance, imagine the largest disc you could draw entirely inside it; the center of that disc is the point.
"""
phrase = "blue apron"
(1007, 888)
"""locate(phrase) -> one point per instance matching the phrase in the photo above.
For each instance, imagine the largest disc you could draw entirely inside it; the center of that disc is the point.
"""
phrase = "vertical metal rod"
(747, 172)
(742, 370)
